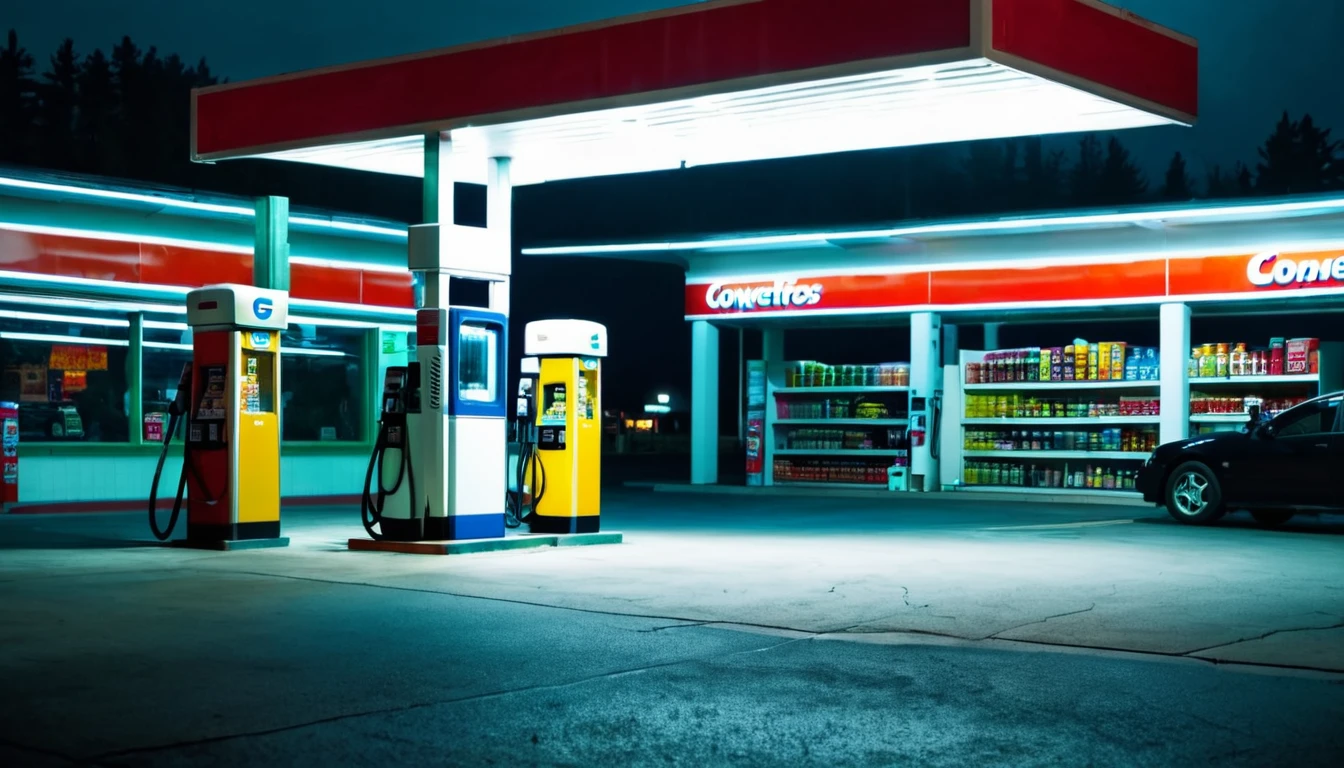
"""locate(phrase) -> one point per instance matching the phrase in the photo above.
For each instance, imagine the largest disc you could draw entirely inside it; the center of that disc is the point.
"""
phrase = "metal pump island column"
(232, 455)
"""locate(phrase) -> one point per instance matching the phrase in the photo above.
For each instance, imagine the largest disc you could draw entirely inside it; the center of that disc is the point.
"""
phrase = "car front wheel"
(1194, 496)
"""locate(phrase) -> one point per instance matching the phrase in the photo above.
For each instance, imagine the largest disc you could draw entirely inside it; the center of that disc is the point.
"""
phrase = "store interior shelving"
(1225, 379)
(835, 425)
(1022, 420)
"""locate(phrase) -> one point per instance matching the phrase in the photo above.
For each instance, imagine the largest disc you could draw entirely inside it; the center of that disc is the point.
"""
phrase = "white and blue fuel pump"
(461, 437)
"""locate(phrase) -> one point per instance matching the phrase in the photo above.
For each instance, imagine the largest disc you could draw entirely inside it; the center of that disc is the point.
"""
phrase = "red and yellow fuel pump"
(229, 398)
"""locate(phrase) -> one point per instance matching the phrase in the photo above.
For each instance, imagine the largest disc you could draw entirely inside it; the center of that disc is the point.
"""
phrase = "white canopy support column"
(1174, 350)
(704, 403)
(992, 336)
(472, 253)
(461, 463)
(926, 384)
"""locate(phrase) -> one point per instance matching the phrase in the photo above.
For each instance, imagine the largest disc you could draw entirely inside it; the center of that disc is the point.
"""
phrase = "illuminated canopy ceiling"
(721, 82)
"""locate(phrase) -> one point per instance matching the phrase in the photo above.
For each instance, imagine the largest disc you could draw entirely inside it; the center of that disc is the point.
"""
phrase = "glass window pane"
(68, 377)
(158, 387)
(322, 383)
(476, 363)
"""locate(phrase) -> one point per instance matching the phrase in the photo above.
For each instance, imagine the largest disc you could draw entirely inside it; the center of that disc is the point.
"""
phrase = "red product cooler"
(9, 453)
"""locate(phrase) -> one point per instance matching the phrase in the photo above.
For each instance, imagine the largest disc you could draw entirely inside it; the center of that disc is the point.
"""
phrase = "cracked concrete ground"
(134, 655)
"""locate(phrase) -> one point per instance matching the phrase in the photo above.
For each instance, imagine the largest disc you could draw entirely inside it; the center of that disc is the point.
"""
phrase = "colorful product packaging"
(1298, 354)
(1118, 360)
(1276, 356)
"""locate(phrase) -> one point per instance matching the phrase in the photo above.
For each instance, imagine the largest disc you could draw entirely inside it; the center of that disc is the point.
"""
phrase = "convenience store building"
(93, 334)
(1182, 275)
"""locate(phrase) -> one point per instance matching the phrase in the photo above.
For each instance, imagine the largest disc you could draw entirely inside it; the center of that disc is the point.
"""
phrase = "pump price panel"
(208, 426)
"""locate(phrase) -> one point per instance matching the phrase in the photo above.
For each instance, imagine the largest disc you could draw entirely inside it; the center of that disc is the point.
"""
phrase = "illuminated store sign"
(783, 294)
(1269, 269)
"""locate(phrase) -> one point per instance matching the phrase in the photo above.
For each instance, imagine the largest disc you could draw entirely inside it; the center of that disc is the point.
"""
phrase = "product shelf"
(1063, 386)
(1206, 381)
(819, 484)
(1067, 455)
(1064, 421)
(1093, 492)
(1220, 418)
(838, 390)
(852, 453)
(841, 422)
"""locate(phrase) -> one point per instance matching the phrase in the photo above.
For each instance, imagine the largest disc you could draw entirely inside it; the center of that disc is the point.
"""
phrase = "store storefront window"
(69, 378)
(166, 351)
(322, 384)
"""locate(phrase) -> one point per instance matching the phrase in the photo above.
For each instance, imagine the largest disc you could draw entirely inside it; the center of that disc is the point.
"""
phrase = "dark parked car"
(1291, 463)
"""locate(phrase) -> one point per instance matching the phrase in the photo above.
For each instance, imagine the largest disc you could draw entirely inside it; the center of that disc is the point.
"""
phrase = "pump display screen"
(555, 404)
(477, 363)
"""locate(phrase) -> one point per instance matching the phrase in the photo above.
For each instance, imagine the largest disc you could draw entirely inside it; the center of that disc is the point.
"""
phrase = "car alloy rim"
(1189, 494)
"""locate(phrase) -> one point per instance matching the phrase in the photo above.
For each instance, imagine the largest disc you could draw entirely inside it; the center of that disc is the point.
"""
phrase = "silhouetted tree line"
(126, 114)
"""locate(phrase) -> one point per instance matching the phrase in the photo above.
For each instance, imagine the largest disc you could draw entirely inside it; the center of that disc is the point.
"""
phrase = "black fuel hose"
(163, 534)
(528, 460)
(370, 511)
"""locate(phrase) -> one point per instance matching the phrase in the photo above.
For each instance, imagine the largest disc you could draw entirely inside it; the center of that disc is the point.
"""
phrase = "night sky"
(1258, 57)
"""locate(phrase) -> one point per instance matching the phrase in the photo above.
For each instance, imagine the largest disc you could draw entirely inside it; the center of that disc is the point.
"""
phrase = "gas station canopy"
(717, 82)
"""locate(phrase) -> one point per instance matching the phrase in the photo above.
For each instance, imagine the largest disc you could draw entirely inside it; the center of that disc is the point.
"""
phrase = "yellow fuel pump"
(569, 424)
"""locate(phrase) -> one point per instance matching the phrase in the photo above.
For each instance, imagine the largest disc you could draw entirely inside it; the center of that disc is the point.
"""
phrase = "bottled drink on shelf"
(1292, 357)
(1083, 361)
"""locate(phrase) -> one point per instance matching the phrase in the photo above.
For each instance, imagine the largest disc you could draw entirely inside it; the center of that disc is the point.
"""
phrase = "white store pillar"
(926, 381)
(1174, 350)
(992, 336)
(704, 403)
(951, 345)
(772, 345)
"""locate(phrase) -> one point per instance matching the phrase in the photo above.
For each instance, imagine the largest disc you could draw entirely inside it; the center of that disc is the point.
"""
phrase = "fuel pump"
(569, 424)
(461, 435)
(527, 485)
(228, 395)
(391, 507)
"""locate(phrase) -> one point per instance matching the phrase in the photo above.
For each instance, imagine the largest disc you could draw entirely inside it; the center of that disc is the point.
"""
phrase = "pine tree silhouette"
(18, 100)
(1085, 178)
(1178, 185)
(1120, 181)
(1299, 158)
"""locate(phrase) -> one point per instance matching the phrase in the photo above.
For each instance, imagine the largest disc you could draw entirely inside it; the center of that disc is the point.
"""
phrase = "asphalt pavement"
(726, 631)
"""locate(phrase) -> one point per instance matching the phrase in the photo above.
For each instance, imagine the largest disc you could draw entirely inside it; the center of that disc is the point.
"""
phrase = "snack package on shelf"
(1080, 361)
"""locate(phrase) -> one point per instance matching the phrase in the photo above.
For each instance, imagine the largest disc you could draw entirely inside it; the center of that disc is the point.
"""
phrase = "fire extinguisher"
(918, 430)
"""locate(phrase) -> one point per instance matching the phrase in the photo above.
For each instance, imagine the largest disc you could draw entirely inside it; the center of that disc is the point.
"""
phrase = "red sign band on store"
(1144, 280)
